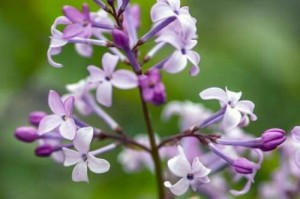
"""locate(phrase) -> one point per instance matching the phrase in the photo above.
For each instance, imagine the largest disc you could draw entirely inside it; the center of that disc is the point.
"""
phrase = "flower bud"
(35, 117)
(244, 166)
(44, 150)
(272, 138)
(120, 38)
(26, 134)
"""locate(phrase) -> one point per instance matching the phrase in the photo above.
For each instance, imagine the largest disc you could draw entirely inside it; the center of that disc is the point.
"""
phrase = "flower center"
(183, 51)
(84, 157)
(190, 177)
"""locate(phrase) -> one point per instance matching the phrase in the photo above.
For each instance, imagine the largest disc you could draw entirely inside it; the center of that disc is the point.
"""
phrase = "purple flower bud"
(244, 166)
(153, 89)
(35, 117)
(272, 138)
(44, 150)
(26, 134)
(120, 38)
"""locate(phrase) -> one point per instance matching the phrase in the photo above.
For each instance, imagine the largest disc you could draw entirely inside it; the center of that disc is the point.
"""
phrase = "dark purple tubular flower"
(35, 117)
(153, 89)
(81, 23)
(272, 138)
(26, 134)
(44, 150)
(244, 166)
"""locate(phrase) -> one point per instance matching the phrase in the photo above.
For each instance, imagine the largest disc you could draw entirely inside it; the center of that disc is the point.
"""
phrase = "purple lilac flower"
(62, 117)
(153, 89)
(107, 78)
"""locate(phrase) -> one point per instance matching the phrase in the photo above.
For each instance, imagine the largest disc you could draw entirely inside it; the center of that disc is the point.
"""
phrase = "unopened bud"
(272, 138)
(36, 117)
(44, 150)
(244, 166)
(26, 134)
(120, 38)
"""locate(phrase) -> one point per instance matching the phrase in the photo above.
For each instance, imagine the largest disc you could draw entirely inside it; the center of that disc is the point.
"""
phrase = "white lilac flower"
(193, 175)
(62, 117)
(183, 42)
(107, 78)
(236, 110)
(82, 158)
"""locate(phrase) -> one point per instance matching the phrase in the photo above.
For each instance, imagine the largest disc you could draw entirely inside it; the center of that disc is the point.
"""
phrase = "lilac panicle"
(36, 117)
(26, 134)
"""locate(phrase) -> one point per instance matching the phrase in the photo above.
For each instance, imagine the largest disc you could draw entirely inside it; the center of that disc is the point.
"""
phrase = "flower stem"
(154, 149)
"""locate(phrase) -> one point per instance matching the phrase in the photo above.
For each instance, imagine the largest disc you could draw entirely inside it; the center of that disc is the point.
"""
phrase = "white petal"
(176, 63)
(246, 106)
(171, 38)
(71, 157)
(194, 58)
(50, 52)
(124, 79)
(231, 119)
(179, 188)
(233, 97)
(198, 181)
(172, 108)
(96, 74)
(296, 134)
(245, 189)
(199, 169)
(97, 165)
(109, 63)
(104, 93)
(83, 139)
(179, 165)
(48, 123)
(67, 129)
(297, 158)
(214, 93)
(161, 11)
(84, 50)
(79, 173)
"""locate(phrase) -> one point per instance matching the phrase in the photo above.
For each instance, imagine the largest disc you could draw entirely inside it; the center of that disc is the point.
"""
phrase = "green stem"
(154, 149)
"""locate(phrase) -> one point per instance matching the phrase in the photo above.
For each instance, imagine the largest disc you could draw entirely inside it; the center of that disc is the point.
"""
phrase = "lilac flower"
(81, 24)
(236, 110)
(191, 175)
(83, 158)
(61, 118)
(107, 78)
(153, 90)
(183, 43)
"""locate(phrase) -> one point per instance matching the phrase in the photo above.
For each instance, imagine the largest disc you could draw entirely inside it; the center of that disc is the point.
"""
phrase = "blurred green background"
(250, 46)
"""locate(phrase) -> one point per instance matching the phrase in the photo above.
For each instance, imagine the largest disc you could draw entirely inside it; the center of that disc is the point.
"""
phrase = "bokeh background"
(250, 46)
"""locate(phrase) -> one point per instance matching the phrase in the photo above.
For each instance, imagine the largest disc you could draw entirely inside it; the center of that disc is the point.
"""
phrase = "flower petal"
(96, 74)
(83, 139)
(161, 11)
(124, 79)
(297, 158)
(73, 30)
(109, 63)
(180, 187)
(69, 104)
(214, 93)
(179, 165)
(73, 14)
(50, 52)
(104, 93)
(85, 50)
(79, 173)
(199, 169)
(97, 165)
(296, 134)
(194, 58)
(67, 129)
(246, 106)
(55, 103)
(231, 119)
(71, 157)
(176, 63)
(48, 123)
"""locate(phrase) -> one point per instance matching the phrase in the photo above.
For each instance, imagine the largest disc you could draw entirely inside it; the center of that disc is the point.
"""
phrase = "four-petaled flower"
(107, 78)
(61, 118)
(82, 158)
(236, 111)
(191, 175)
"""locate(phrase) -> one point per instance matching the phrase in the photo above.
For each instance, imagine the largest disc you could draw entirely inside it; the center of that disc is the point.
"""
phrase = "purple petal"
(71, 157)
(79, 173)
(48, 123)
(109, 63)
(297, 158)
(86, 11)
(148, 94)
(84, 50)
(176, 63)
(73, 30)
(214, 93)
(296, 134)
(124, 79)
(55, 103)
(97, 165)
(83, 139)
(231, 119)
(104, 93)
(67, 129)
(73, 14)
(68, 105)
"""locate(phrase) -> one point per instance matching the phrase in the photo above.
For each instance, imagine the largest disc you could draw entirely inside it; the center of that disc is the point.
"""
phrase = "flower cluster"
(208, 141)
